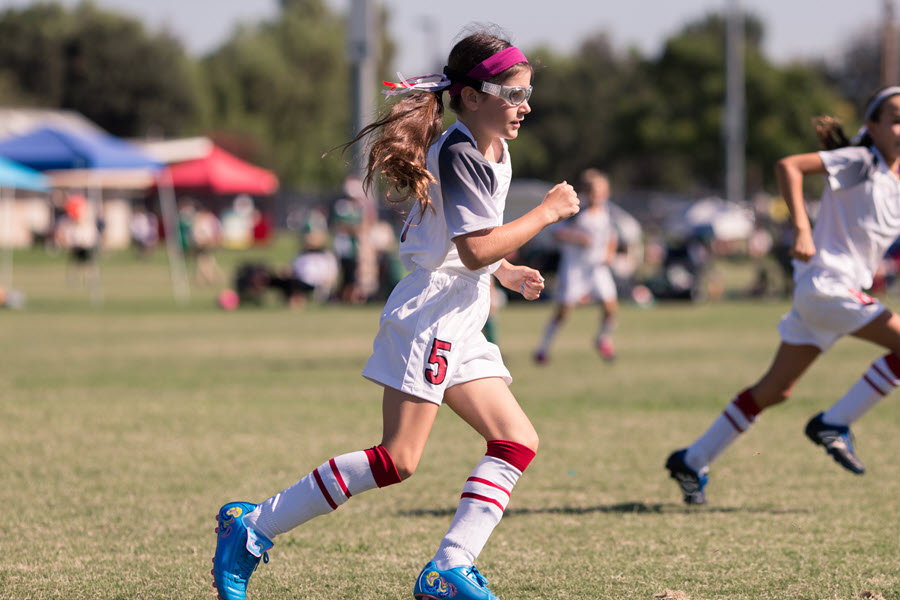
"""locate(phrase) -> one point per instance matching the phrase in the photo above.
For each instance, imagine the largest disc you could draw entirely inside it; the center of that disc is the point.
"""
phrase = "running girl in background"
(429, 349)
(858, 220)
(588, 244)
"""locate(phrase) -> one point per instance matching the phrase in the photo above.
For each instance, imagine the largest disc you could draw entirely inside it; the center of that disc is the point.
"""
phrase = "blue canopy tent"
(49, 149)
(19, 177)
(92, 161)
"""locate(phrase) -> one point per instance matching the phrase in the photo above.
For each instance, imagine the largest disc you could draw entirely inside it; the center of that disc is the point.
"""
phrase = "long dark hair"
(404, 135)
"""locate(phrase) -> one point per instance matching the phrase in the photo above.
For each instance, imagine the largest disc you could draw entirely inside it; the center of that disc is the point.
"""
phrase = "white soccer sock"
(877, 382)
(323, 490)
(737, 418)
(484, 498)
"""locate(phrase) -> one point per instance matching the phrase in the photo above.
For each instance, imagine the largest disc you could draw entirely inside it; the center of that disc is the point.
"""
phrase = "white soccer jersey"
(469, 195)
(583, 270)
(430, 335)
(859, 217)
(598, 224)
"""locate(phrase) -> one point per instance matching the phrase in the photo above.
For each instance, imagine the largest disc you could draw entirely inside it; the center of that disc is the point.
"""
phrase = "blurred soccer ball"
(229, 300)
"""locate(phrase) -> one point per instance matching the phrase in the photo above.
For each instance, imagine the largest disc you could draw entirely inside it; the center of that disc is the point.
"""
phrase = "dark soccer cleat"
(690, 481)
(838, 442)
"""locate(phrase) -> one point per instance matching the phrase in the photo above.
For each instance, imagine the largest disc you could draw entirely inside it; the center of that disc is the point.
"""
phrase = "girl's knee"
(529, 440)
(406, 465)
(532, 443)
(766, 396)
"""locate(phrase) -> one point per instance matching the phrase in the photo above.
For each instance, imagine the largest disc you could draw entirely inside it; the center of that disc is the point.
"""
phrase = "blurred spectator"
(312, 274)
(144, 229)
(238, 222)
(262, 228)
(390, 269)
(205, 236)
(79, 232)
(769, 246)
(347, 215)
(686, 272)
(186, 212)
(315, 270)
(251, 281)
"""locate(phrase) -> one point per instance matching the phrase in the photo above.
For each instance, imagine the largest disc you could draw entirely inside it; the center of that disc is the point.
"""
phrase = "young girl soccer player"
(858, 220)
(430, 349)
(588, 246)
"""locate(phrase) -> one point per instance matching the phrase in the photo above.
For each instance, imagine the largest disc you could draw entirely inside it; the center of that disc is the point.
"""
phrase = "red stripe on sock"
(337, 476)
(490, 483)
(383, 470)
(482, 499)
(516, 454)
(733, 422)
(324, 490)
(747, 405)
(893, 361)
(872, 383)
(889, 380)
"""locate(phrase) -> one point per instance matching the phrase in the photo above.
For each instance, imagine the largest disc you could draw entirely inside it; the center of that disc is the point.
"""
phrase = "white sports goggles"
(511, 94)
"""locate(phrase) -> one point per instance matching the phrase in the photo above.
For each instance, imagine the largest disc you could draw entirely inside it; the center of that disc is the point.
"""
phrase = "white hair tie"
(433, 82)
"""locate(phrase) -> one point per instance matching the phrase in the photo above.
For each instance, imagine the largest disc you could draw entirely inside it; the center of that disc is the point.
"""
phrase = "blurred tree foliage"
(857, 70)
(101, 64)
(284, 87)
(658, 122)
(278, 93)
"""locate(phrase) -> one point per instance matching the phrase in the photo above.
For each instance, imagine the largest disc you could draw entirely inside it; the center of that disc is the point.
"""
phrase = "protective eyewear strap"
(482, 86)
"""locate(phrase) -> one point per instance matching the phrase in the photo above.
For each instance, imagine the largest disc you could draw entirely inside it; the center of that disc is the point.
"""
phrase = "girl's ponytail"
(399, 154)
(830, 132)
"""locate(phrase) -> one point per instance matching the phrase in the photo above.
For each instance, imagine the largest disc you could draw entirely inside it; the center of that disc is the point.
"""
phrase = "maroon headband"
(492, 65)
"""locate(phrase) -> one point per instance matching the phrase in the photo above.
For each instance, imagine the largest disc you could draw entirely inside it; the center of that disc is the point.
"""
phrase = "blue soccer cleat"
(690, 481)
(238, 550)
(838, 442)
(459, 583)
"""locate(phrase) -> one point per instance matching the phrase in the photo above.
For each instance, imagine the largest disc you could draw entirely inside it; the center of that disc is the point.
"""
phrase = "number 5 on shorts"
(437, 369)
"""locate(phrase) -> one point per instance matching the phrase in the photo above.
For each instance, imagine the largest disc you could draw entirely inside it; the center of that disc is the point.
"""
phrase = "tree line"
(277, 93)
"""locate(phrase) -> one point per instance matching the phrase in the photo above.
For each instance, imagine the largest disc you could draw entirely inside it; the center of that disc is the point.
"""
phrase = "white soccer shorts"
(430, 336)
(579, 281)
(826, 309)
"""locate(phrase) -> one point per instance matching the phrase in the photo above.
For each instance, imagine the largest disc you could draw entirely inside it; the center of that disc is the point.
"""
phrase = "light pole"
(361, 55)
(889, 46)
(734, 103)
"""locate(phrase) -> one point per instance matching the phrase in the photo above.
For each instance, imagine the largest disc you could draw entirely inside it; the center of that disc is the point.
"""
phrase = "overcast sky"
(424, 28)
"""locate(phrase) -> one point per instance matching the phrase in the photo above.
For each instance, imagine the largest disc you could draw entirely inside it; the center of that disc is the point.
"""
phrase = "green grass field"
(125, 428)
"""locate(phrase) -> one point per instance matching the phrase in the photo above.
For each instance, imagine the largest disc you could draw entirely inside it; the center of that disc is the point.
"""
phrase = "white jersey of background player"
(858, 221)
(588, 245)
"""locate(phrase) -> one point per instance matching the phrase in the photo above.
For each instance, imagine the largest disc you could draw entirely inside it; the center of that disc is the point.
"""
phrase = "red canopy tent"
(221, 173)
